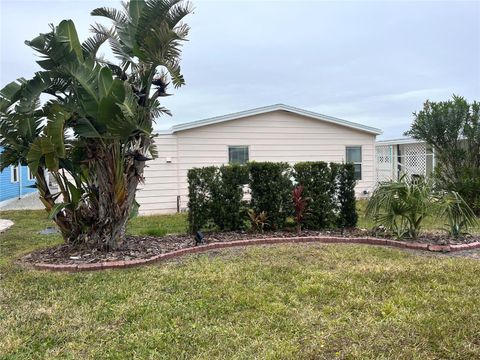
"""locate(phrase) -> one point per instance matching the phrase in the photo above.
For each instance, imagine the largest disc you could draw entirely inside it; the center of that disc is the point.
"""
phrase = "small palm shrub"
(456, 212)
(401, 206)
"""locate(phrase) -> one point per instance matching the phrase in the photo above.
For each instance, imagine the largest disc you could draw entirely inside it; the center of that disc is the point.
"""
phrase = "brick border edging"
(265, 241)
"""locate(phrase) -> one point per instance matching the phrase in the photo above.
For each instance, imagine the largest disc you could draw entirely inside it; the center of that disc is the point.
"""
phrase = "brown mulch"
(142, 247)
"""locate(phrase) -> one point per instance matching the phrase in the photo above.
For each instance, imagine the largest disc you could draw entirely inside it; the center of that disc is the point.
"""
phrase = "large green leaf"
(10, 90)
(105, 81)
(46, 146)
(118, 90)
(55, 131)
(87, 78)
(107, 110)
(32, 90)
(34, 156)
(75, 192)
(51, 162)
(56, 209)
(66, 29)
(135, 9)
(86, 129)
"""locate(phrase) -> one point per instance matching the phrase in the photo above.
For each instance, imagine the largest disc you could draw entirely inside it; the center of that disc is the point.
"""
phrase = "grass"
(277, 302)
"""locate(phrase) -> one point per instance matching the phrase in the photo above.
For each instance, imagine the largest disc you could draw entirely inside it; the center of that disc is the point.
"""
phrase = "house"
(405, 156)
(272, 133)
(15, 182)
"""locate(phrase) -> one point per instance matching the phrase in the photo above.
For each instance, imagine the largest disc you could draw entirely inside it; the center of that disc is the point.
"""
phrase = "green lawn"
(276, 302)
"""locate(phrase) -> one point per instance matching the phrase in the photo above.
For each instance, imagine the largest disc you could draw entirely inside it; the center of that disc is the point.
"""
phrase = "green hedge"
(347, 215)
(228, 211)
(200, 183)
(271, 189)
(319, 184)
(216, 195)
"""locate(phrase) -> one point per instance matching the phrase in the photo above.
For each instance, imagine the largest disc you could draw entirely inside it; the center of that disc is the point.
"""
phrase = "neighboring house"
(403, 156)
(15, 182)
(271, 133)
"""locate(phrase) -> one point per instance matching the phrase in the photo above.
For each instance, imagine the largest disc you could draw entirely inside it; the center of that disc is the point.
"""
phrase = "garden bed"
(144, 249)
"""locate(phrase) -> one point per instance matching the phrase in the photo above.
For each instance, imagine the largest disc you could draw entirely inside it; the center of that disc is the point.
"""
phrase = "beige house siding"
(273, 136)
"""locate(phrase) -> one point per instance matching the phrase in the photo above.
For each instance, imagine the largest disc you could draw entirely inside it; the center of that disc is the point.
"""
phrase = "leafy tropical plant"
(452, 129)
(454, 209)
(300, 204)
(401, 206)
(94, 134)
(258, 221)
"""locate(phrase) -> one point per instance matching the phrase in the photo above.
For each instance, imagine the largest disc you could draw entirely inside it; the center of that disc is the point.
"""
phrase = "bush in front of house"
(216, 196)
(402, 206)
(228, 210)
(318, 180)
(345, 184)
(271, 188)
(452, 129)
(456, 212)
(200, 184)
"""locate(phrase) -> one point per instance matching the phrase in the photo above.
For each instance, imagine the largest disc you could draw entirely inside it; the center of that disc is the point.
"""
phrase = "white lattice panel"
(385, 163)
(412, 159)
(394, 161)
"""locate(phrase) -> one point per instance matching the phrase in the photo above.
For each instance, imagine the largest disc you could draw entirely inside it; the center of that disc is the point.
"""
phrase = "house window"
(14, 174)
(30, 175)
(354, 155)
(237, 154)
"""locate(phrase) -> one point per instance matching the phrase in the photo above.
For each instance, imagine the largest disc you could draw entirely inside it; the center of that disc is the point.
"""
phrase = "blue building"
(15, 182)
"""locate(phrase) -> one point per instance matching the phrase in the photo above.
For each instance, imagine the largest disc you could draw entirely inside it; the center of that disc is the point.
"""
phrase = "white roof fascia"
(267, 109)
(400, 141)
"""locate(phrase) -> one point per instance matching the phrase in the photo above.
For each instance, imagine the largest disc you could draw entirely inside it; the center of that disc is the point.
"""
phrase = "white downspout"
(19, 180)
(433, 159)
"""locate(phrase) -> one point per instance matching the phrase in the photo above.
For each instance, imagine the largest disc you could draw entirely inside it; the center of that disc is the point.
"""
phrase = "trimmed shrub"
(347, 211)
(271, 189)
(200, 184)
(228, 210)
(216, 196)
(318, 180)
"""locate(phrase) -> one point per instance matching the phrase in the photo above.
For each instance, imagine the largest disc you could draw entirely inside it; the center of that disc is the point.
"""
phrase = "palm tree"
(94, 134)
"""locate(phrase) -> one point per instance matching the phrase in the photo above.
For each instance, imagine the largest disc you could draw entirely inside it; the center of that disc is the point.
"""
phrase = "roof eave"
(266, 109)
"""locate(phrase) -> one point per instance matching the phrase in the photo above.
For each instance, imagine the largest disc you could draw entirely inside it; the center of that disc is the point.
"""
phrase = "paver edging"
(265, 241)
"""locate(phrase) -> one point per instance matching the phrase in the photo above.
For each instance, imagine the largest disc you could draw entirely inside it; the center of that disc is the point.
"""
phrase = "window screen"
(14, 174)
(354, 155)
(237, 154)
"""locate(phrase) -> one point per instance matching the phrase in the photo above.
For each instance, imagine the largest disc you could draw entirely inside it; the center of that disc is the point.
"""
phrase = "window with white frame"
(30, 175)
(237, 154)
(14, 174)
(353, 154)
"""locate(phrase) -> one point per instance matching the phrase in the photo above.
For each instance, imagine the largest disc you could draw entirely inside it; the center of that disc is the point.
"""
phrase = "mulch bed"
(144, 247)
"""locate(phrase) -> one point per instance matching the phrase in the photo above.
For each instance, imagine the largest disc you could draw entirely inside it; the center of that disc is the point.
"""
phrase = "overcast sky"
(368, 62)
